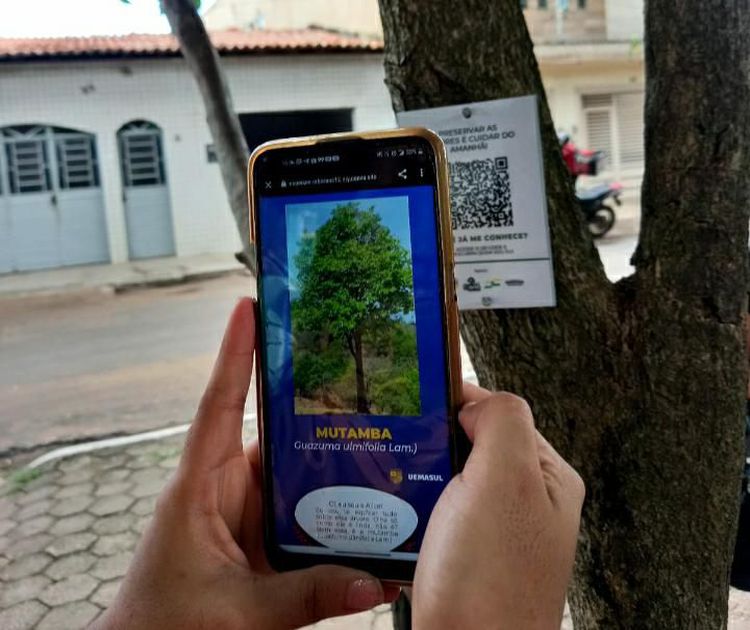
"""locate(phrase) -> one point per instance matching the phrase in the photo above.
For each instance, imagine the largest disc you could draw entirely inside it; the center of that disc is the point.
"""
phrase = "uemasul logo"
(421, 477)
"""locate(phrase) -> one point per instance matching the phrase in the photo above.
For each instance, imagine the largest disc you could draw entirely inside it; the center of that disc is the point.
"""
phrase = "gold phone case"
(445, 236)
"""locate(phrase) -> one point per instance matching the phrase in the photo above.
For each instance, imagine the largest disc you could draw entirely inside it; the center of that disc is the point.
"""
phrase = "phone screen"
(356, 390)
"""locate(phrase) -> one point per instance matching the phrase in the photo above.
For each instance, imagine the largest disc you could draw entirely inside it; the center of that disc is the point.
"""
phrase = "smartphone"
(359, 359)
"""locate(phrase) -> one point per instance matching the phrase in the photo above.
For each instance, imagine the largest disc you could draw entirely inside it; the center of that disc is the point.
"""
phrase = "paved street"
(94, 363)
(88, 364)
(615, 253)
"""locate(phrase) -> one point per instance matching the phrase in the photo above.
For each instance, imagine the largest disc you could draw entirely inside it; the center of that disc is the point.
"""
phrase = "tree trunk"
(639, 384)
(230, 145)
(363, 405)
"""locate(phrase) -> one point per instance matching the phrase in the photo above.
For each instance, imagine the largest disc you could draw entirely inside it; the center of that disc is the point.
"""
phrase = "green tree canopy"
(354, 278)
(352, 274)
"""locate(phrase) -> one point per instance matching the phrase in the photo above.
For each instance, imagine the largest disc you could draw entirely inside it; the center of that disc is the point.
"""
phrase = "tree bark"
(363, 405)
(231, 149)
(639, 384)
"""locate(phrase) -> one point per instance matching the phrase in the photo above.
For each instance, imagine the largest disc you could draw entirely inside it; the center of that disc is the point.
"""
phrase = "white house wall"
(624, 19)
(565, 86)
(101, 96)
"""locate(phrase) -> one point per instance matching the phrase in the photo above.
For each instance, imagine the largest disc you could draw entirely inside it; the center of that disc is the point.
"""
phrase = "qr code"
(480, 194)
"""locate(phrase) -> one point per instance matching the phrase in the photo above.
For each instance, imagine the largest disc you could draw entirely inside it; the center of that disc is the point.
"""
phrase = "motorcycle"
(600, 217)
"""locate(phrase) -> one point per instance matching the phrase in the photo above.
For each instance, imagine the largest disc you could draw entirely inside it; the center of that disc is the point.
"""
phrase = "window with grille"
(28, 166)
(542, 4)
(141, 152)
(614, 124)
(599, 126)
(76, 161)
(581, 4)
(630, 128)
(40, 159)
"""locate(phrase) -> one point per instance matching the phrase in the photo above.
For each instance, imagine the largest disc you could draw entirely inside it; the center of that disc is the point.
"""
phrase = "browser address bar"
(329, 180)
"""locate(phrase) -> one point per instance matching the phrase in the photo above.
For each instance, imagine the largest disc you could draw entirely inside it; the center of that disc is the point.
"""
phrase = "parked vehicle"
(600, 216)
(594, 202)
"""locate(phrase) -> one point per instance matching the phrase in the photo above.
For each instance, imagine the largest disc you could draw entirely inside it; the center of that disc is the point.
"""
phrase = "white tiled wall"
(100, 96)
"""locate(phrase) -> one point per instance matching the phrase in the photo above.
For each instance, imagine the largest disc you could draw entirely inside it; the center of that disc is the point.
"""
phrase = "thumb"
(299, 598)
(216, 432)
(501, 426)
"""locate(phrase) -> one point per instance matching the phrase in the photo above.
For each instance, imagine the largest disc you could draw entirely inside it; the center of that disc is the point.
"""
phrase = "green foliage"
(353, 273)
(398, 341)
(354, 281)
(404, 344)
(398, 393)
(22, 477)
(315, 370)
(160, 454)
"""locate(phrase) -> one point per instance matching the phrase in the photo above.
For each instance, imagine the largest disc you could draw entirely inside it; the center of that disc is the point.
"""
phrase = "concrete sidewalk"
(68, 530)
(119, 276)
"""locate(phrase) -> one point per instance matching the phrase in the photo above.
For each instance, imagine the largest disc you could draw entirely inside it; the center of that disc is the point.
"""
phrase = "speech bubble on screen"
(354, 519)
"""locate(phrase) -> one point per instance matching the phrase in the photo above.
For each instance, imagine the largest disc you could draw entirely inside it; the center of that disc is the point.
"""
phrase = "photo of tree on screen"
(352, 306)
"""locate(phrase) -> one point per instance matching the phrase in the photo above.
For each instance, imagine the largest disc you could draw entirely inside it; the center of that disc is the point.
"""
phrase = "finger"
(216, 432)
(299, 598)
(252, 452)
(564, 484)
(251, 535)
(502, 429)
(474, 394)
(391, 593)
(500, 404)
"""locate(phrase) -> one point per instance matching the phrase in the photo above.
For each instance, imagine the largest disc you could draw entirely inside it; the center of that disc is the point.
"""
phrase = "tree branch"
(350, 344)
(231, 148)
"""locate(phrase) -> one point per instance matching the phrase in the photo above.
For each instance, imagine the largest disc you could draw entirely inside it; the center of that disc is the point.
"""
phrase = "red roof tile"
(228, 42)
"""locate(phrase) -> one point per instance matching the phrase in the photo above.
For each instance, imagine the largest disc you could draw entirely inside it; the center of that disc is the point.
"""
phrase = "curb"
(128, 284)
(125, 440)
(124, 287)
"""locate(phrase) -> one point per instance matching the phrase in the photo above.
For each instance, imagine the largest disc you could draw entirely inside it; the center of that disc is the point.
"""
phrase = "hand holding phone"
(200, 562)
(501, 542)
(491, 553)
(359, 376)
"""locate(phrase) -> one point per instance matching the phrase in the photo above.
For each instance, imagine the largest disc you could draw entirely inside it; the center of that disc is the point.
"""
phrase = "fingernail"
(364, 594)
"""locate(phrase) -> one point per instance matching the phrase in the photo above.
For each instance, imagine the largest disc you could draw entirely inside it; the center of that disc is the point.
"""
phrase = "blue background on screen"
(297, 472)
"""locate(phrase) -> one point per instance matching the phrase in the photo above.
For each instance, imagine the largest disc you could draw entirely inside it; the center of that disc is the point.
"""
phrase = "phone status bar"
(393, 152)
(312, 161)
(333, 158)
